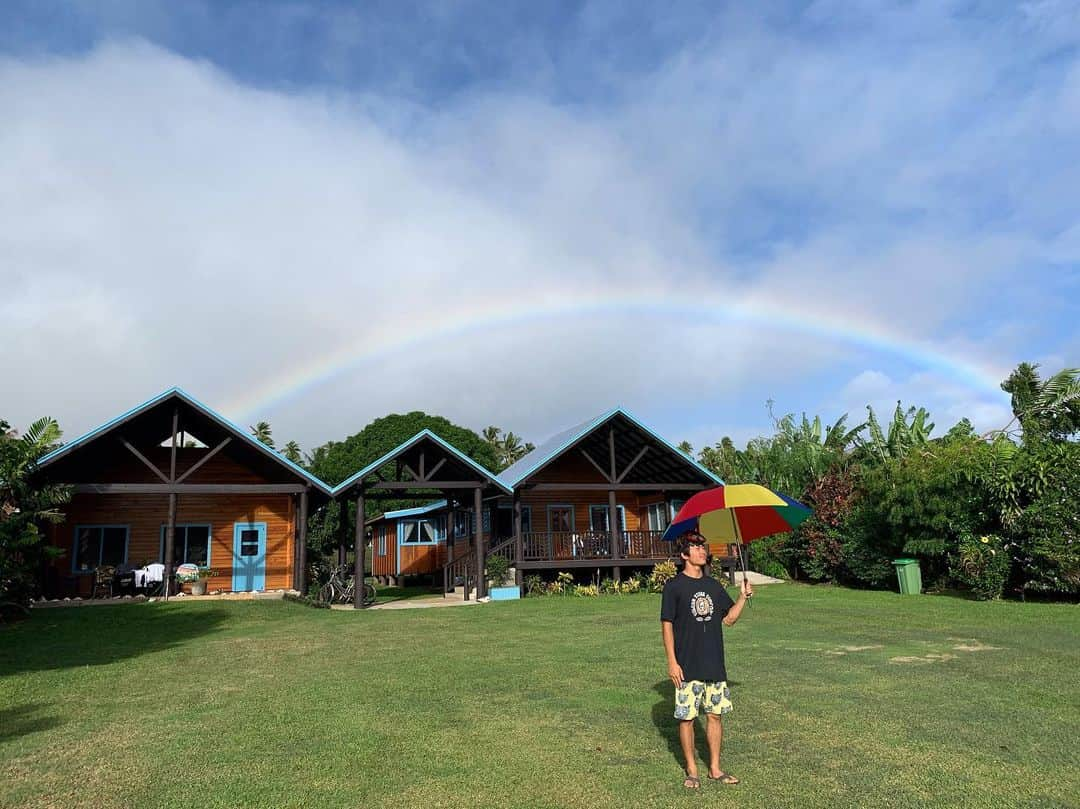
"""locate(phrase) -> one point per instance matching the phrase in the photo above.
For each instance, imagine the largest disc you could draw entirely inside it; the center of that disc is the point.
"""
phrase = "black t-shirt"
(695, 608)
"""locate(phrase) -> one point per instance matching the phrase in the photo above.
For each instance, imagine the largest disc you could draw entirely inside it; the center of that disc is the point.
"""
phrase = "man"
(693, 606)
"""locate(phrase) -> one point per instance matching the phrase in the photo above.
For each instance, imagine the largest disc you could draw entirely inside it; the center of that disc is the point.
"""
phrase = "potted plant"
(195, 576)
(501, 585)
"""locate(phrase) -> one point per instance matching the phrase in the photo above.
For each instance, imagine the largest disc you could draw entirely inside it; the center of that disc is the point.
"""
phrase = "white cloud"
(166, 224)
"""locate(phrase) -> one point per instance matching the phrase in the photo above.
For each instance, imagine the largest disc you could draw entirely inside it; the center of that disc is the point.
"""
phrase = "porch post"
(170, 527)
(343, 532)
(478, 530)
(302, 539)
(451, 555)
(519, 545)
(361, 546)
(613, 511)
(616, 534)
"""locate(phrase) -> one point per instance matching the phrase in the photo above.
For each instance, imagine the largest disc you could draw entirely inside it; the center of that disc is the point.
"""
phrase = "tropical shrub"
(631, 585)
(534, 585)
(661, 575)
(497, 567)
(981, 564)
(586, 590)
(25, 505)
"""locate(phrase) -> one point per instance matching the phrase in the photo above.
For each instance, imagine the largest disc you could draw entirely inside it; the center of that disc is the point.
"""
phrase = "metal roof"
(190, 400)
(405, 446)
(555, 446)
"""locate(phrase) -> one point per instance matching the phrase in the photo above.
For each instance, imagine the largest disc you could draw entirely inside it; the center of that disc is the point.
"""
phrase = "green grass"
(842, 698)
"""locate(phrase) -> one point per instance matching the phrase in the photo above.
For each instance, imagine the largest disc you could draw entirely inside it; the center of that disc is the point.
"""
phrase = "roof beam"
(204, 459)
(435, 469)
(145, 460)
(189, 488)
(637, 458)
(599, 468)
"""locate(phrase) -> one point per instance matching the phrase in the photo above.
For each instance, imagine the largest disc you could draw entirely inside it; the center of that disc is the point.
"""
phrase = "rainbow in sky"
(498, 313)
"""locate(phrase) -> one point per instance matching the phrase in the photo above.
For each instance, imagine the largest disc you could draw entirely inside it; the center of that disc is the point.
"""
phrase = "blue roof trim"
(412, 512)
(82, 439)
(544, 454)
(425, 433)
(207, 411)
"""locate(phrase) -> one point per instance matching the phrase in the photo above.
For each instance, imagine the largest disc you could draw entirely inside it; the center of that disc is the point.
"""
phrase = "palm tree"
(263, 433)
(292, 452)
(1044, 409)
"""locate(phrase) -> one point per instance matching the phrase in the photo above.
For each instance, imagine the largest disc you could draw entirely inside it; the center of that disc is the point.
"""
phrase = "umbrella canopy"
(738, 513)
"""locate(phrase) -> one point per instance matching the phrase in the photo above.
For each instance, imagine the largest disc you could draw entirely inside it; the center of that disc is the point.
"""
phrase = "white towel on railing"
(149, 574)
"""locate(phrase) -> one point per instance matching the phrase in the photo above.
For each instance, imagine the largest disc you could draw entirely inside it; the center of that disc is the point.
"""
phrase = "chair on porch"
(103, 581)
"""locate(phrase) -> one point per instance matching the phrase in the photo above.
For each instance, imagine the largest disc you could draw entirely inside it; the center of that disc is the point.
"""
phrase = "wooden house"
(171, 481)
(551, 510)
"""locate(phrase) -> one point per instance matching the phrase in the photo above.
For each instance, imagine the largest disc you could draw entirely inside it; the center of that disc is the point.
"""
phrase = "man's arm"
(734, 613)
(674, 670)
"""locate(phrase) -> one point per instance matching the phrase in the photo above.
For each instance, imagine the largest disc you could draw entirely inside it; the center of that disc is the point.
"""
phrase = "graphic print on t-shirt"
(701, 606)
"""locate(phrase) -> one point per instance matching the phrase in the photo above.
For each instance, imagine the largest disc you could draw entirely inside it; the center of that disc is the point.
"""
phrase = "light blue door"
(249, 556)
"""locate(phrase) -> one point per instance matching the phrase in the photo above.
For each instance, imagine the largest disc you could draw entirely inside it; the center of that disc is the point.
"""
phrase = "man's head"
(694, 548)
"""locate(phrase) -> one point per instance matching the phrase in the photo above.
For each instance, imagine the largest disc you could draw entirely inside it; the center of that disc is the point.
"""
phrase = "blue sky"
(318, 213)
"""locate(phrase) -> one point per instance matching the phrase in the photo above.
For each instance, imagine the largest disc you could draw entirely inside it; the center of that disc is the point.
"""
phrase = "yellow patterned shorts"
(697, 697)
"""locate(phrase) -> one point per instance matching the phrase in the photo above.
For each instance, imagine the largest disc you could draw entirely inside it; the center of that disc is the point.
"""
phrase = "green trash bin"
(910, 576)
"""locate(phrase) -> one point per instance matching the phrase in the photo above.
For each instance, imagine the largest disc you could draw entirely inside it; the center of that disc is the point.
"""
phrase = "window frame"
(573, 517)
(75, 569)
(655, 510)
(604, 507)
(186, 525)
(402, 542)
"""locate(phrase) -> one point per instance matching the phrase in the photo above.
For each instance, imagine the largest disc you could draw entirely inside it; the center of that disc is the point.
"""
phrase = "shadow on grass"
(663, 716)
(62, 638)
(24, 719)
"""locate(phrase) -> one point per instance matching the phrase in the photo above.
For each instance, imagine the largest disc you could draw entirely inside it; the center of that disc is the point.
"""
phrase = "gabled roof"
(412, 442)
(207, 412)
(556, 445)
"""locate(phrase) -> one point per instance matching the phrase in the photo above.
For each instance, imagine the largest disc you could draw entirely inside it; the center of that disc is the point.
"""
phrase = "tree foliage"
(262, 432)
(1045, 409)
(24, 506)
(507, 447)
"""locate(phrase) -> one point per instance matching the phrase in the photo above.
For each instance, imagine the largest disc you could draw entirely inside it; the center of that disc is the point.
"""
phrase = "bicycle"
(340, 588)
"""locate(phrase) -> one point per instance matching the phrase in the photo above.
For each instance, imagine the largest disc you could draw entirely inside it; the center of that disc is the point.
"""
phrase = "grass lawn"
(842, 698)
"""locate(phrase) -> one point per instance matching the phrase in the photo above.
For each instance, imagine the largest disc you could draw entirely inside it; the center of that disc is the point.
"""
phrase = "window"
(417, 532)
(675, 506)
(382, 541)
(462, 523)
(657, 515)
(97, 545)
(598, 518)
(487, 521)
(560, 518)
(526, 519)
(249, 542)
(191, 544)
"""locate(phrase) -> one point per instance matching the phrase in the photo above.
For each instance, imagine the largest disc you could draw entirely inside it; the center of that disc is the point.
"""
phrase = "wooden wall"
(384, 565)
(415, 559)
(145, 515)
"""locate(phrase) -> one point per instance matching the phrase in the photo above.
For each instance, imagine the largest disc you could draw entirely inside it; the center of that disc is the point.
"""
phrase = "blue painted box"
(505, 593)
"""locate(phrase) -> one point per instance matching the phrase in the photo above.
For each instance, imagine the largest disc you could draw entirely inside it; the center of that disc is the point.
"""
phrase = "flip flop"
(692, 782)
(725, 778)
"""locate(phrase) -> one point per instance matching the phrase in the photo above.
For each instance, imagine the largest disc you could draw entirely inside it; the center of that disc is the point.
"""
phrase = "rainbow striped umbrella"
(738, 513)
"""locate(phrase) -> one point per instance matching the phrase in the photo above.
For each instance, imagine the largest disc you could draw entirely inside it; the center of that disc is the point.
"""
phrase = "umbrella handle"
(742, 558)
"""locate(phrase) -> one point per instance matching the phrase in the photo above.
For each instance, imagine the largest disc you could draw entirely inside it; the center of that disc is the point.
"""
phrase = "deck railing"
(555, 545)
